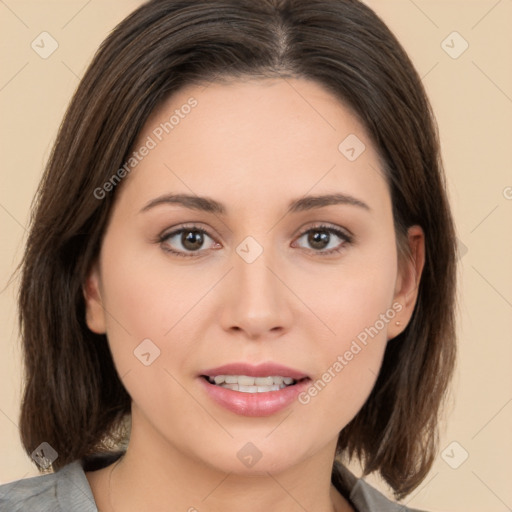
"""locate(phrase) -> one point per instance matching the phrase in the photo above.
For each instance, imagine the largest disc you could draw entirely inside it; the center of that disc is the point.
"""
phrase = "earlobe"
(408, 280)
(94, 312)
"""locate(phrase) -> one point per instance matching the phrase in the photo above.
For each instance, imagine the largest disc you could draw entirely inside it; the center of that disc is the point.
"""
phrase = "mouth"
(249, 384)
(250, 390)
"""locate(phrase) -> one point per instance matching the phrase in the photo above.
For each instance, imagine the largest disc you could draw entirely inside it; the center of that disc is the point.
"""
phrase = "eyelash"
(347, 239)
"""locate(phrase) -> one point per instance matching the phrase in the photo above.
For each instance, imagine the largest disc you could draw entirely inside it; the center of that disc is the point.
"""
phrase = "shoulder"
(362, 495)
(66, 490)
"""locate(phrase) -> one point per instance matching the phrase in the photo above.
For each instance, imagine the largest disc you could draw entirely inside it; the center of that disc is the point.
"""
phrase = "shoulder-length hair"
(167, 44)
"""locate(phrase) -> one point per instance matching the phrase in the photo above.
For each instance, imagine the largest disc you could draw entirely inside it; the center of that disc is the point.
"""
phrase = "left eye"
(322, 239)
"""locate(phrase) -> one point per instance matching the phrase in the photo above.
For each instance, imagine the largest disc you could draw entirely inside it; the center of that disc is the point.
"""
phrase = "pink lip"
(261, 370)
(254, 404)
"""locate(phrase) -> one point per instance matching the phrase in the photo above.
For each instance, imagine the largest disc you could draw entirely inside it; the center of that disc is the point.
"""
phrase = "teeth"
(252, 389)
(263, 381)
(247, 384)
(244, 380)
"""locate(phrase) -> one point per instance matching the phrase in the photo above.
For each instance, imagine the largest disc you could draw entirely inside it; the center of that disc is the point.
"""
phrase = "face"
(254, 273)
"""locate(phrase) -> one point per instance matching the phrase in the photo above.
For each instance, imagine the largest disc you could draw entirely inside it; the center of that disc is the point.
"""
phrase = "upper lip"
(268, 369)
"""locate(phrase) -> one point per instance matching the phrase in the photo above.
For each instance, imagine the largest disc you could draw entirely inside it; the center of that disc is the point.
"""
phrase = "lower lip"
(254, 404)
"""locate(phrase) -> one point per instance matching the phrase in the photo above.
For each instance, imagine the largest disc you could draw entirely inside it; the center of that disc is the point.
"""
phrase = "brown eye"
(325, 239)
(186, 241)
(319, 239)
(192, 240)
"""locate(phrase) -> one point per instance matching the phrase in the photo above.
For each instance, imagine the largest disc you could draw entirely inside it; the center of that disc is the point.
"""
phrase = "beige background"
(472, 98)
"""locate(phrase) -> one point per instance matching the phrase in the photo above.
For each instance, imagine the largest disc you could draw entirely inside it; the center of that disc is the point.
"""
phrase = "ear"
(408, 281)
(94, 311)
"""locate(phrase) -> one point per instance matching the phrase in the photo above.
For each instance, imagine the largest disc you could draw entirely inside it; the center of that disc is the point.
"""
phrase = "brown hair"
(162, 46)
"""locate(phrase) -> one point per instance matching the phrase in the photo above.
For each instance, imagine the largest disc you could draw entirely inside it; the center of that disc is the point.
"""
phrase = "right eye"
(186, 241)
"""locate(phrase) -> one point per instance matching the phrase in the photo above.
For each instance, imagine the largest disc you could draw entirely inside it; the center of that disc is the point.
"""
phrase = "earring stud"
(397, 323)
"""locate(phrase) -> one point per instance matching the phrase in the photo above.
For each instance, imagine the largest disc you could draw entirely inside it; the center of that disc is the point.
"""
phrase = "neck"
(155, 475)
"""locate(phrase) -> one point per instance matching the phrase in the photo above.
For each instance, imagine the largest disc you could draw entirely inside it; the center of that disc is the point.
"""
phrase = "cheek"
(145, 298)
(356, 303)
(352, 295)
(149, 328)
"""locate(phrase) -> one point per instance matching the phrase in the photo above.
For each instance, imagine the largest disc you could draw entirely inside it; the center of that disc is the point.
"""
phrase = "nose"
(256, 299)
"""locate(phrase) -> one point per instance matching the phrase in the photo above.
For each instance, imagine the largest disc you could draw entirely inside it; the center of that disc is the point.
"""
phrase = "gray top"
(68, 490)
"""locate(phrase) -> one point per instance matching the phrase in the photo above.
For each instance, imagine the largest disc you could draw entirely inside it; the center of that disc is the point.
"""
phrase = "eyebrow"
(209, 205)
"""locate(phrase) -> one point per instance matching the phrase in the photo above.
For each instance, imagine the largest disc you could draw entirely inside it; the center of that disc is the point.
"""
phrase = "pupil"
(192, 240)
(319, 239)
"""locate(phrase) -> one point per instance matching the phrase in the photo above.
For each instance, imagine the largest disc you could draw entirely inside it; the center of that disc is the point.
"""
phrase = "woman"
(240, 270)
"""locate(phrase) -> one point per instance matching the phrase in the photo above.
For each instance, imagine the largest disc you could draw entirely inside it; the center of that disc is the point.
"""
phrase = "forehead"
(255, 140)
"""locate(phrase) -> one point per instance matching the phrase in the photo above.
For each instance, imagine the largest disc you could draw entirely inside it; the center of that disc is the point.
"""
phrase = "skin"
(253, 145)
